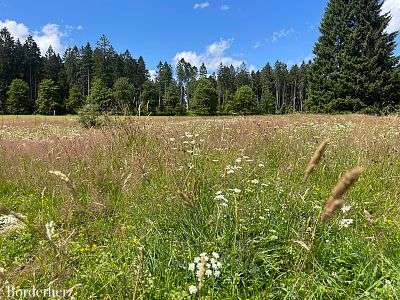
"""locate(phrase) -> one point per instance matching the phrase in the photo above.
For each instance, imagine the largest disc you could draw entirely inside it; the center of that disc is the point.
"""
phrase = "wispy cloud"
(225, 7)
(214, 55)
(257, 45)
(392, 7)
(201, 5)
(283, 33)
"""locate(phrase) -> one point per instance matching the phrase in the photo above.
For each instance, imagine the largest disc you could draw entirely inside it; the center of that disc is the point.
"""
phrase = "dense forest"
(354, 69)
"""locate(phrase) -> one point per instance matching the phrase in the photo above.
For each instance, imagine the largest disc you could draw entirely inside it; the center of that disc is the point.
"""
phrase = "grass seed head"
(336, 201)
(316, 158)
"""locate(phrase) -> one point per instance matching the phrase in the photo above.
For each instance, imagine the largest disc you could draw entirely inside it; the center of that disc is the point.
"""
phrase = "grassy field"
(201, 208)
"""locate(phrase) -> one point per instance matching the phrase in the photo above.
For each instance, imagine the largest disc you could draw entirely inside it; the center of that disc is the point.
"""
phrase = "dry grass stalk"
(66, 179)
(315, 159)
(336, 201)
(201, 272)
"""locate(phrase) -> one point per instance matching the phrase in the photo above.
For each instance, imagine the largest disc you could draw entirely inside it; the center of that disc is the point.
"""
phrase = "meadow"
(201, 208)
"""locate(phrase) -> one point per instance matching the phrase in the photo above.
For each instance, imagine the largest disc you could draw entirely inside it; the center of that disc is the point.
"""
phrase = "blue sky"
(213, 31)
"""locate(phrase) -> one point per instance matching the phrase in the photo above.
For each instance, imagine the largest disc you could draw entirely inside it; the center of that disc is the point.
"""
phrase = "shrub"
(90, 116)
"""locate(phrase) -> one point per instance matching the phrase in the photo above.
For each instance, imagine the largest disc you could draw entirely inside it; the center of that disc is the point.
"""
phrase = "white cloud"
(277, 35)
(17, 30)
(50, 34)
(212, 57)
(392, 7)
(201, 5)
(225, 7)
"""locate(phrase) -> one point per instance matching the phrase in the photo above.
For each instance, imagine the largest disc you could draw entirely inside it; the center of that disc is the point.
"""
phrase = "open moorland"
(201, 208)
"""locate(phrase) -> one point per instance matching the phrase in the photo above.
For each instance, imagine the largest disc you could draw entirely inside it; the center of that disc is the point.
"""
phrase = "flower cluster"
(232, 169)
(345, 223)
(50, 230)
(205, 267)
(219, 196)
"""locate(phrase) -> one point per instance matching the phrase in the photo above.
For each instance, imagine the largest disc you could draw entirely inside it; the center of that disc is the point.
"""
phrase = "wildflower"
(255, 181)
(217, 273)
(220, 197)
(192, 289)
(219, 193)
(215, 255)
(197, 260)
(346, 208)
(209, 273)
(191, 267)
(204, 255)
(50, 229)
(345, 223)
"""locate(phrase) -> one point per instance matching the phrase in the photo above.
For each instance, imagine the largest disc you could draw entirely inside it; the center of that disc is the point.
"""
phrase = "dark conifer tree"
(354, 65)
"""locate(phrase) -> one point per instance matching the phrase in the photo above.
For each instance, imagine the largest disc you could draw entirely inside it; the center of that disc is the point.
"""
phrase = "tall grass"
(139, 202)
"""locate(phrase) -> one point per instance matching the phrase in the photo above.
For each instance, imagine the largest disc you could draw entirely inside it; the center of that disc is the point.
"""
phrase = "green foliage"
(172, 99)
(90, 116)
(124, 95)
(149, 97)
(244, 101)
(205, 99)
(18, 98)
(344, 105)
(48, 101)
(100, 95)
(354, 58)
(75, 100)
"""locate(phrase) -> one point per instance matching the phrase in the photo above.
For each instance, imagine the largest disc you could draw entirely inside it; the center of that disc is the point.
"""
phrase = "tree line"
(354, 69)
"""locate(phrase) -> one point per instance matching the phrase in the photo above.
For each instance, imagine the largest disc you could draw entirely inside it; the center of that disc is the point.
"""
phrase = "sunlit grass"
(145, 197)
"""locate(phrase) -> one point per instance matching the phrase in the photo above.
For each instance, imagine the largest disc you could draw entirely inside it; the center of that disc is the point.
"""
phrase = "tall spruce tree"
(354, 65)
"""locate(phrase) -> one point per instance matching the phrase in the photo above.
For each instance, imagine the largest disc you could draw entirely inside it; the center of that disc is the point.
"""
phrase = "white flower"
(345, 223)
(197, 260)
(219, 193)
(208, 273)
(191, 267)
(215, 255)
(50, 230)
(221, 197)
(346, 208)
(192, 289)
(217, 273)
(255, 181)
